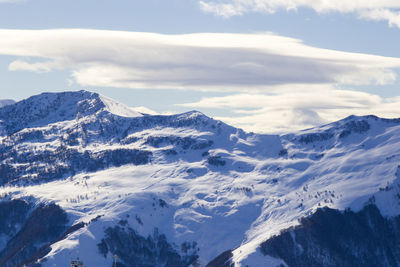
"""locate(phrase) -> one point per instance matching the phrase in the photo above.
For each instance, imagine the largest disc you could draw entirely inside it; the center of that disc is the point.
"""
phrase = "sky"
(267, 66)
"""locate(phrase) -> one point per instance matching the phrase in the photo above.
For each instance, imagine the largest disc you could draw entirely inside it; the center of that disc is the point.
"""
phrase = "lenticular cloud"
(201, 61)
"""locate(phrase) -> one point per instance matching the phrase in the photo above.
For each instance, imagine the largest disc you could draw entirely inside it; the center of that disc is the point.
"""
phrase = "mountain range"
(83, 176)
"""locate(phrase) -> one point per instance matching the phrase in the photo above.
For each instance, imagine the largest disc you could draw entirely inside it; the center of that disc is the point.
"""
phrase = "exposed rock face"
(333, 238)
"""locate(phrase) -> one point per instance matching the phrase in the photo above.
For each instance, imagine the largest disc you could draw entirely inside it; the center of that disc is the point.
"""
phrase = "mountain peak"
(49, 108)
(175, 183)
(118, 108)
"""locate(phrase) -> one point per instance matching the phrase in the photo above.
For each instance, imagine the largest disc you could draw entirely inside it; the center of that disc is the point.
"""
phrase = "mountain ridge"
(6, 102)
(195, 186)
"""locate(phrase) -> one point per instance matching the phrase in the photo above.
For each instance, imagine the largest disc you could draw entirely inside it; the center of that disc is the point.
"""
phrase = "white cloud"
(35, 67)
(284, 84)
(289, 110)
(392, 17)
(203, 61)
(388, 10)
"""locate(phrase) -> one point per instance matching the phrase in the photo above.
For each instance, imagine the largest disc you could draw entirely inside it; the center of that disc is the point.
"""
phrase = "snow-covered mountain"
(6, 102)
(84, 176)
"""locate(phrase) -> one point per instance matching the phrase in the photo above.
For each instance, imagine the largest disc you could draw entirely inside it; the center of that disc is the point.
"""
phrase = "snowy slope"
(196, 180)
(5, 102)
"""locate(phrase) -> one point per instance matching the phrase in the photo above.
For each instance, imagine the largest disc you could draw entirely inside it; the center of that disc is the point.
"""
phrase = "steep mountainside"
(5, 102)
(185, 190)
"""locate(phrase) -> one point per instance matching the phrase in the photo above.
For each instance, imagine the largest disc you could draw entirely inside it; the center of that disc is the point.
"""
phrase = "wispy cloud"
(288, 110)
(386, 10)
(203, 61)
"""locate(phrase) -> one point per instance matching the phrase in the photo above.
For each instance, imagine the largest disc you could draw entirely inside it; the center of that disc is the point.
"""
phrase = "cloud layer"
(280, 84)
(296, 109)
(201, 61)
(386, 10)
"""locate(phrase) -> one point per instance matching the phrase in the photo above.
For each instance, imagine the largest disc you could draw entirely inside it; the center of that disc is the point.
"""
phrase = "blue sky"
(269, 66)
